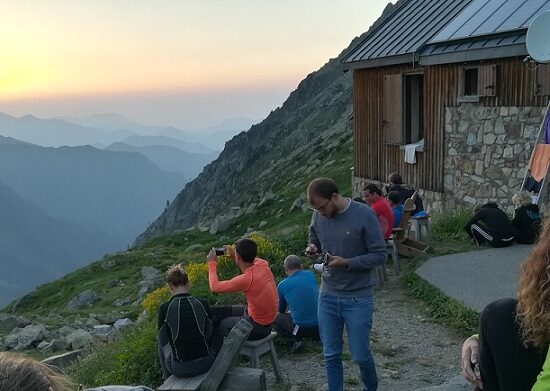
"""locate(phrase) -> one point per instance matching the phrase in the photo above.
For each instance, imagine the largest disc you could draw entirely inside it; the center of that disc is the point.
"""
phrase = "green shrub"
(131, 359)
(450, 225)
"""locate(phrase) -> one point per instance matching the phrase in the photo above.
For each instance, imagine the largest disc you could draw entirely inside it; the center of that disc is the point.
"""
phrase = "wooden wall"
(375, 160)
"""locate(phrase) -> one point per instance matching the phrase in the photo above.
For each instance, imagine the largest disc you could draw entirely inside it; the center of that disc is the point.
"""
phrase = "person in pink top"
(256, 282)
(380, 206)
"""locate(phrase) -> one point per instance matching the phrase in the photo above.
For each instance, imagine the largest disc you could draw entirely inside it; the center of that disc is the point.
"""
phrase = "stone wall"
(487, 151)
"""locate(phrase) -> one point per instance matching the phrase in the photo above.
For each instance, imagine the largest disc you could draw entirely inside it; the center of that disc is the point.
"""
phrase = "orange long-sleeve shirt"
(258, 285)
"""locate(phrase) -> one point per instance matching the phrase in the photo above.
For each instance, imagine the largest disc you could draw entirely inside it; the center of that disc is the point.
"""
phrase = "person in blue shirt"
(394, 197)
(298, 292)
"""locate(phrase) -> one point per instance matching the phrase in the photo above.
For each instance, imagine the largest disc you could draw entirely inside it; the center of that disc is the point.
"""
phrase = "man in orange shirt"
(257, 283)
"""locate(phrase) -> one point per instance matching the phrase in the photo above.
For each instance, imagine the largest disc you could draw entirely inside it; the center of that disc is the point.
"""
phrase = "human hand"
(212, 257)
(470, 357)
(311, 250)
(338, 262)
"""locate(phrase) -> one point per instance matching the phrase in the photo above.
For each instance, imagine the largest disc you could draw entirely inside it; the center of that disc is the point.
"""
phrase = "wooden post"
(230, 349)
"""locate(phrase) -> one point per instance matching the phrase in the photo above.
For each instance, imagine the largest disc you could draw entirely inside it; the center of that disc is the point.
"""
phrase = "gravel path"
(410, 352)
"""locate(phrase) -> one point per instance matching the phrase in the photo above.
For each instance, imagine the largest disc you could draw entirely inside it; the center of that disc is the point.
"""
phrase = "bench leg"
(395, 258)
(417, 232)
(275, 362)
(254, 360)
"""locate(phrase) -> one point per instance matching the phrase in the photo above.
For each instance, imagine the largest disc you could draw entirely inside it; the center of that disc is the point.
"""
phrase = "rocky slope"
(295, 143)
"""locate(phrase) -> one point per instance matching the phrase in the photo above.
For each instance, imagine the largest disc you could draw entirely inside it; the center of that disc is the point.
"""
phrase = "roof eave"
(475, 55)
(382, 62)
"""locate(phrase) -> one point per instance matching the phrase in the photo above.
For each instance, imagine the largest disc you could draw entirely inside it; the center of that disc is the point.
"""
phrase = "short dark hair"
(323, 187)
(247, 249)
(394, 196)
(292, 262)
(395, 178)
(176, 275)
(372, 188)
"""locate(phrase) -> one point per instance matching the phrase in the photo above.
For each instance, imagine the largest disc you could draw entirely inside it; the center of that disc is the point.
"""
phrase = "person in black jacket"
(406, 192)
(184, 330)
(490, 225)
(527, 219)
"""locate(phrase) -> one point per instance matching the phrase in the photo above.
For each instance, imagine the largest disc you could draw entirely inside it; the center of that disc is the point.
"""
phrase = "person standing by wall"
(350, 232)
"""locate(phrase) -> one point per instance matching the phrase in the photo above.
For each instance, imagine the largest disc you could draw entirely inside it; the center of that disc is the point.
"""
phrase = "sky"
(186, 63)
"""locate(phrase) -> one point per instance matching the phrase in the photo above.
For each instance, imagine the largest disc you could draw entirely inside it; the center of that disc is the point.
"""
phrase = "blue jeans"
(356, 314)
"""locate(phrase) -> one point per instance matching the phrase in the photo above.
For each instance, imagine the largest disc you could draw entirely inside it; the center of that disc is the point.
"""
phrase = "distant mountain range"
(168, 158)
(37, 248)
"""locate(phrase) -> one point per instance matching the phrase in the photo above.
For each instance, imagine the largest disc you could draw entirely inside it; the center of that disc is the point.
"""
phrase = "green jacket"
(543, 379)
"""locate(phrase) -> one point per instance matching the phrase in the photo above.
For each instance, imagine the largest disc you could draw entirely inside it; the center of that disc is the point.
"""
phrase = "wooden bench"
(221, 375)
(254, 349)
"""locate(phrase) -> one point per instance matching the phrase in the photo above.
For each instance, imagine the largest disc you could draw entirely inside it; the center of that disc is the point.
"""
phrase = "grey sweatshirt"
(354, 235)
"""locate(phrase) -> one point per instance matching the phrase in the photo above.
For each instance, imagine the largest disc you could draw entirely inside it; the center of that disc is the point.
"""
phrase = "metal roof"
(489, 47)
(484, 17)
(398, 39)
(486, 29)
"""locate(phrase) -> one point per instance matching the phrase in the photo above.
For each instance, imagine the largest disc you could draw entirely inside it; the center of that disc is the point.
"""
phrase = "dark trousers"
(227, 316)
(505, 363)
(170, 366)
(483, 235)
(287, 329)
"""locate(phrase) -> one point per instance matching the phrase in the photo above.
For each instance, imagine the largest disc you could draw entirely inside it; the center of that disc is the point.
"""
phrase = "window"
(470, 81)
(413, 118)
(477, 81)
(402, 111)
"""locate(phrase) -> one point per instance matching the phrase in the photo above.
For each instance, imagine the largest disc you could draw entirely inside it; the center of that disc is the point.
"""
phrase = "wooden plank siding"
(375, 160)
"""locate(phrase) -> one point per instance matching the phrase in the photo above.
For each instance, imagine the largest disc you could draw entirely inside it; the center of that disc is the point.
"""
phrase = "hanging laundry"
(410, 151)
(539, 161)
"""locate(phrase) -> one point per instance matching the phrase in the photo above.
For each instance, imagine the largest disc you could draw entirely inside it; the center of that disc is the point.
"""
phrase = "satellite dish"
(538, 38)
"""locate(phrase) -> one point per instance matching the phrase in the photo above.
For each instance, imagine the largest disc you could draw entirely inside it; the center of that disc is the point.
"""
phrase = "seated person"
(396, 206)
(184, 329)
(381, 207)
(298, 292)
(511, 348)
(526, 221)
(490, 225)
(396, 184)
(257, 283)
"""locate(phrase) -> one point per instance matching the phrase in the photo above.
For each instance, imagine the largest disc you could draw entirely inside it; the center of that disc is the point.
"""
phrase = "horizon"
(137, 59)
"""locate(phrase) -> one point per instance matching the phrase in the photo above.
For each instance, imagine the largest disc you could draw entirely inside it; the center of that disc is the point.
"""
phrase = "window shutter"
(392, 116)
(487, 80)
(542, 80)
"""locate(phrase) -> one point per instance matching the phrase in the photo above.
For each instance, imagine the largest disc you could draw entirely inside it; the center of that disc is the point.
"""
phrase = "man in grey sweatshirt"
(350, 232)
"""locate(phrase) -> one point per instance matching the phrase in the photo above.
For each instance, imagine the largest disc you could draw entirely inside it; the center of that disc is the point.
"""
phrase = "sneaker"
(297, 347)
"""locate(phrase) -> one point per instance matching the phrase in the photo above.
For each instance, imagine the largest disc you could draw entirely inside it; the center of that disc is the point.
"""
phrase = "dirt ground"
(410, 351)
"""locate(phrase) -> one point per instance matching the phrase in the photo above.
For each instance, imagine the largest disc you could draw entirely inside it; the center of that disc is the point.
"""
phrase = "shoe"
(297, 347)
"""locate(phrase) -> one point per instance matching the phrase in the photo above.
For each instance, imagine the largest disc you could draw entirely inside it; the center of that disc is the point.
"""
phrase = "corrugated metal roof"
(493, 46)
(484, 17)
(413, 24)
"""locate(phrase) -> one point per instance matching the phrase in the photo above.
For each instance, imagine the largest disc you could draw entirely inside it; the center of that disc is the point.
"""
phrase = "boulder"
(122, 323)
(121, 302)
(194, 247)
(44, 346)
(59, 345)
(83, 299)
(220, 223)
(250, 209)
(267, 199)
(91, 322)
(65, 330)
(263, 223)
(102, 329)
(9, 322)
(151, 279)
(298, 204)
(25, 338)
(79, 339)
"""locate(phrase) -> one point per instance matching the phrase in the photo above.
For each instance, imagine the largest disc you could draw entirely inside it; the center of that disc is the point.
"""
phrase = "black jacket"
(494, 220)
(527, 222)
(184, 322)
